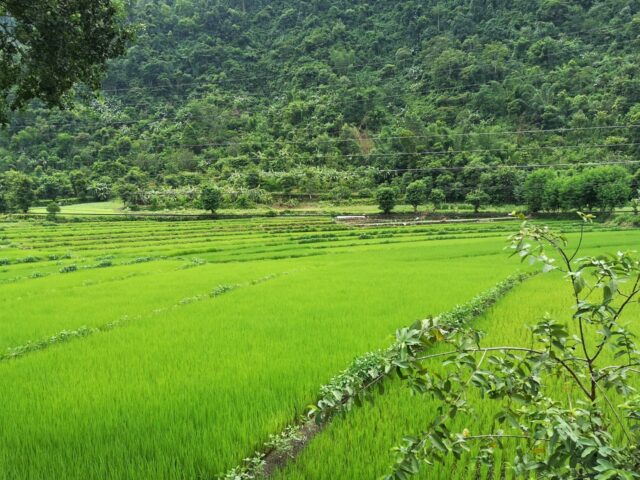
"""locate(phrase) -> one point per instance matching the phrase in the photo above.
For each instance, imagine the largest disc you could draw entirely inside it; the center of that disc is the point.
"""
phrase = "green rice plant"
(68, 269)
(355, 384)
(222, 289)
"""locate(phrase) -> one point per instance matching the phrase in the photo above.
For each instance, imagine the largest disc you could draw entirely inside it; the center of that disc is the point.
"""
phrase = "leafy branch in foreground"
(584, 436)
(48, 46)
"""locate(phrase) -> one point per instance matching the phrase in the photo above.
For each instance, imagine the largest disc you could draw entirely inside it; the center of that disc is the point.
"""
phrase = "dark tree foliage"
(211, 198)
(46, 46)
(52, 210)
(416, 194)
(21, 194)
(437, 197)
(386, 197)
(477, 198)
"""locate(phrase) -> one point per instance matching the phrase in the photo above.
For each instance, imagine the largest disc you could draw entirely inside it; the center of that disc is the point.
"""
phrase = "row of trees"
(604, 188)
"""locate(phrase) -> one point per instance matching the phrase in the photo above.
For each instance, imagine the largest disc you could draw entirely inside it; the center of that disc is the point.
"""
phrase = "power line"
(424, 136)
(495, 150)
(436, 152)
(516, 166)
(431, 135)
(377, 170)
(421, 136)
(429, 90)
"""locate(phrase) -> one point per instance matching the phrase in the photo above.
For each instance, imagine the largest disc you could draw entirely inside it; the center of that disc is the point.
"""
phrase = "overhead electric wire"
(508, 166)
(417, 136)
(421, 136)
(319, 88)
(360, 171)
(424, 152)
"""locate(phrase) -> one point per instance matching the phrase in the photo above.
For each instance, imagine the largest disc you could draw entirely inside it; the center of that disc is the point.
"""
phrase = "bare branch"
(579, 243)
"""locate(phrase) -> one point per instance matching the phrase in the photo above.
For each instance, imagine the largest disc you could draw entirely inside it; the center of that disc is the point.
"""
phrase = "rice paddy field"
(172, 350)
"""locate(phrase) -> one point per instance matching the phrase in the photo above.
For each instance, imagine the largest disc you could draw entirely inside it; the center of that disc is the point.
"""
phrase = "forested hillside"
(336, 97)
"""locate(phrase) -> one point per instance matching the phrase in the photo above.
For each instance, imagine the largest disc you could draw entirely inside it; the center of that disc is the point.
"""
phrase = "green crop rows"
(172, 350)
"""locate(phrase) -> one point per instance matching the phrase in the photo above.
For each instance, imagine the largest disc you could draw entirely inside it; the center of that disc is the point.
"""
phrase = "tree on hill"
(52, 210)
(477, 198)
(52, 187)
(211, 198)
(605, 187)
(535, 188)
(287, 183)
(4, 191)
(100, 190)
(386, 197)
(130, 194)
(437, 197)
(21, 191)
(635, 203)
(416, 194)
(48, 46)
(79, 183)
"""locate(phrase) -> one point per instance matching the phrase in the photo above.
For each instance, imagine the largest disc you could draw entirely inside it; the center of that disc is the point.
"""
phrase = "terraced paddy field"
(172, 350)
